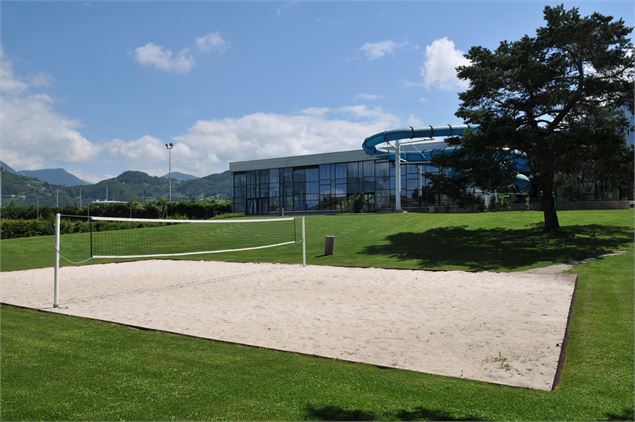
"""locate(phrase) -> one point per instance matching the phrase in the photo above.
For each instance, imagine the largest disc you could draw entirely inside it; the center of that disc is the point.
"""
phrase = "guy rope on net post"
(56, 285)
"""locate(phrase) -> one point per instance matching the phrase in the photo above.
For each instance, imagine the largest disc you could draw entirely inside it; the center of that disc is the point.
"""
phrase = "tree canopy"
(559, 97)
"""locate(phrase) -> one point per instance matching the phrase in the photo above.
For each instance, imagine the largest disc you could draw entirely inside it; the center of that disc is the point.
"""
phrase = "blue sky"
(98, 87)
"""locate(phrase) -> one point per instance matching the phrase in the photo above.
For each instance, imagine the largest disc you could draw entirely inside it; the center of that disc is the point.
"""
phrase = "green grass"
(504, 241)
(60, 367)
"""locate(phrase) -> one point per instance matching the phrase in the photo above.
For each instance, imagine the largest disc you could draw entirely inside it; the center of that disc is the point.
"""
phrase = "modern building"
(334, 181)
(358, 181)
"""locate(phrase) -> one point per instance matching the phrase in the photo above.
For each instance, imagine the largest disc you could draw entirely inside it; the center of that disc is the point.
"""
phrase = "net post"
(56, 285)
(90, 230)
(303, 243)
(397, 177)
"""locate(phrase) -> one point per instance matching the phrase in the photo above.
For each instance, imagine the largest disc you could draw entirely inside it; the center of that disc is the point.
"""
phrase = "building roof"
(301, 160)
(325, 158)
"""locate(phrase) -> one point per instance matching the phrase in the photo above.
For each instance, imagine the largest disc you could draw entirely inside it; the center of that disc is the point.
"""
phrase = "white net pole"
(56, 285)
(397, 177)
(303, 243)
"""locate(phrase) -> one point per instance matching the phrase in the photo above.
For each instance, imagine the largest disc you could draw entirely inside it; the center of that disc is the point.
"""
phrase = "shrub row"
(11, 229)
(159, 209)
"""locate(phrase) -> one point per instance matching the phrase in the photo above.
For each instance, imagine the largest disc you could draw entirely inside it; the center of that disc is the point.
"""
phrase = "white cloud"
(377, 50)
(9, 82)
(264, 135)
(363, 111)
(12, 84)
(39, 80)
(206, 147)
(439, 67)
(35, 135)
(181, 62)
(164, 59)
(212, 42)
(148, 154)
(33, 132)
(364, 96)
(144, 149)
(316, 111)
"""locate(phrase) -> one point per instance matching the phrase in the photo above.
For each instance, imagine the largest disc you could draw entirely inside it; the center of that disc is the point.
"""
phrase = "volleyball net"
(140, 238)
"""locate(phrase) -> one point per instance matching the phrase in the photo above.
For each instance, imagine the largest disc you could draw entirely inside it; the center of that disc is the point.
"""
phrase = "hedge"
(159, 209)
(11, 229)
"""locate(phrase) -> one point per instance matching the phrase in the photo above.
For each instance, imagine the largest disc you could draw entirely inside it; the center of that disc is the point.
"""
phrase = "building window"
(286, 188)
(368, 180)
(340, 171)
(238, 200)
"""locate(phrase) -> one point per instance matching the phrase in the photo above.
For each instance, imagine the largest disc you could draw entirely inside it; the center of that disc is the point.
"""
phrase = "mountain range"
(54, 177)
(6, 167)
(22, 189)
(177, 175)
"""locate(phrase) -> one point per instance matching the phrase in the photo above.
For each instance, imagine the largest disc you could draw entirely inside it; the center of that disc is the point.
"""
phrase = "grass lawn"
(504, 241)
(60, 367)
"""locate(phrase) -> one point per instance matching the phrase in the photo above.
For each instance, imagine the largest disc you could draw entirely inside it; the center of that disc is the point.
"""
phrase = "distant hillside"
(24, 190)
(177, 175)
(54, 177)
(7, 167)
(130, 185)
(217, 185)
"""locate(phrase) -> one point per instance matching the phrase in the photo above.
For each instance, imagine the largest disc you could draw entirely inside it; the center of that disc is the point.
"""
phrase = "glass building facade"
(364, 185)
(351, 181)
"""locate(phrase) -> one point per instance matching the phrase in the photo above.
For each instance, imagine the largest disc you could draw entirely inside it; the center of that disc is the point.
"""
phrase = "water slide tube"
(371, 143)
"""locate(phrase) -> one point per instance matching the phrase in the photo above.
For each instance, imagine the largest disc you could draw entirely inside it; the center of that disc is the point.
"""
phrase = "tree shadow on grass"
(626, 415)
(336, 413)
(422, 414)
(502, 248)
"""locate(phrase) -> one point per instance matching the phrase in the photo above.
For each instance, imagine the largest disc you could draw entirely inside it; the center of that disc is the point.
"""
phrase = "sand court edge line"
(56, 311)
(565, 339)
(500, 328)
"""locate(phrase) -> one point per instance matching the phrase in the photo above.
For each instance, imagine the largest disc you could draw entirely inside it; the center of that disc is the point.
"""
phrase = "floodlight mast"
(169, 148)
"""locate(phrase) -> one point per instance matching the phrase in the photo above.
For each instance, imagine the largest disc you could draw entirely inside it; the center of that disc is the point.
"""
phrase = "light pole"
(169, 148)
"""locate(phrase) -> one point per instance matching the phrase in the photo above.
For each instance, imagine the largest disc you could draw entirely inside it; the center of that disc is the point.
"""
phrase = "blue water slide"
(370, 144)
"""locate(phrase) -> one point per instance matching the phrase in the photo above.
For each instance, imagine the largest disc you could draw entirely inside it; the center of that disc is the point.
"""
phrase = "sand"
(504, 328)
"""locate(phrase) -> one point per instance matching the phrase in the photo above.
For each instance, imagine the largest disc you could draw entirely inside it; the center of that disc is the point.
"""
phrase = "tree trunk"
(549, 206)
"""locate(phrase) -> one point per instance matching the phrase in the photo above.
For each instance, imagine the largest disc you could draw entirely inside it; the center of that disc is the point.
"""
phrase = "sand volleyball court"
(504, 328)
